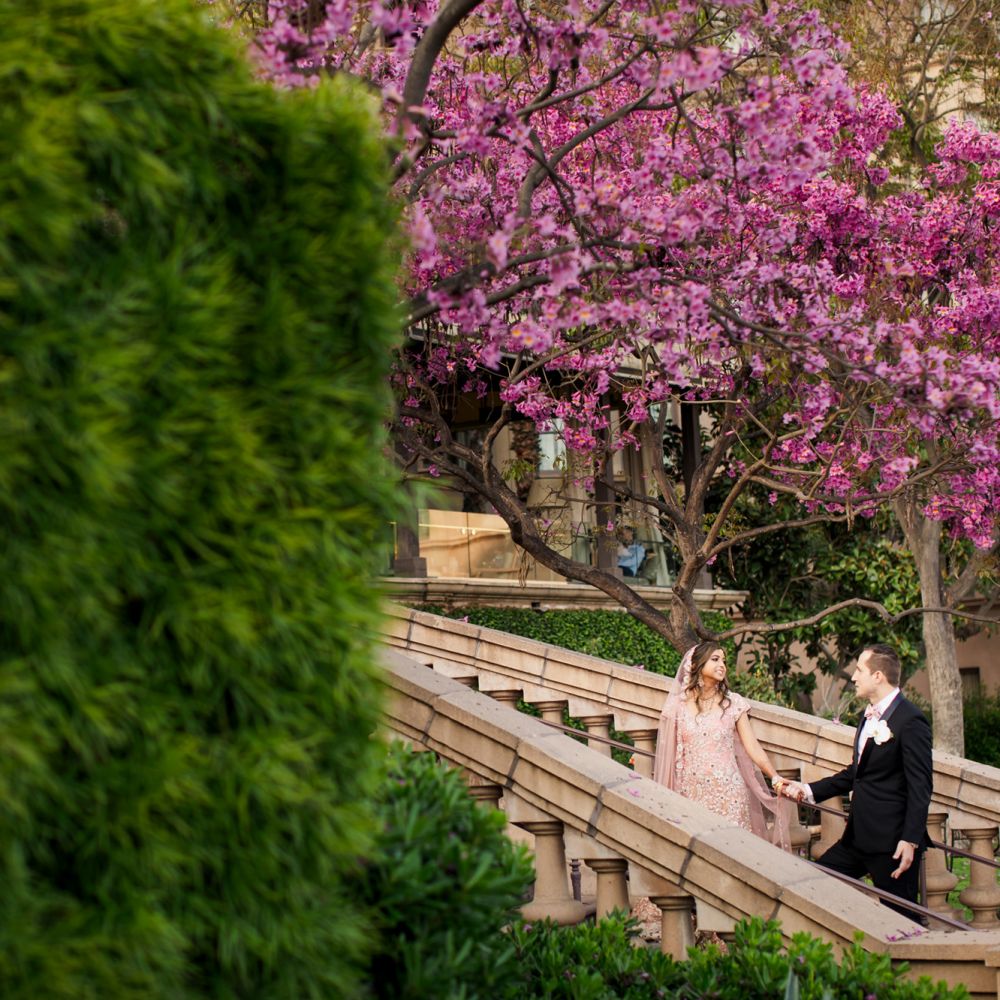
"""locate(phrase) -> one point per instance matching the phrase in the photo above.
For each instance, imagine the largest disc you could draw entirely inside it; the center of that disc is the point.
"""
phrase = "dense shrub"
(593, 961)
(611, 635)
(598, 963)
(444, 879)
(982, 728)
(195, 321)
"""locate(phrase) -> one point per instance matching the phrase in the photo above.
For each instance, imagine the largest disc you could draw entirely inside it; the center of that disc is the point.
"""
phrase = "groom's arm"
(837, 784)
(918, 769)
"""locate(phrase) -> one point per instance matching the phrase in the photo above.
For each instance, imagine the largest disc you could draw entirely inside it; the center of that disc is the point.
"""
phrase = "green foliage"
(196, 317)
(599, 963)
(792, 574)
(444, 879)
(982, 728)
(588, 962)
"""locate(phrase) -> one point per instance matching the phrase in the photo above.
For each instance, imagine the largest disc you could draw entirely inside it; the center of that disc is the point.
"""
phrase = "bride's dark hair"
(699, 657)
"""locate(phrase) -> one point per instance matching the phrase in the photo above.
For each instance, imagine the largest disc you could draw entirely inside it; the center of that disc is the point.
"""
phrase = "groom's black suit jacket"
(891, 782)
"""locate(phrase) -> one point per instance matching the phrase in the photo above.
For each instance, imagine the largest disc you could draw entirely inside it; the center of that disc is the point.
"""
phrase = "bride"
(707, 751)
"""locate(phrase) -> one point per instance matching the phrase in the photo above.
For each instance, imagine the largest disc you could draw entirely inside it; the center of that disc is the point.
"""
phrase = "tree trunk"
(924, 539)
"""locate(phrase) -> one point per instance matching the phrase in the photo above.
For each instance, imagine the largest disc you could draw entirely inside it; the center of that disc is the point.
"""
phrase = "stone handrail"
(614, 812)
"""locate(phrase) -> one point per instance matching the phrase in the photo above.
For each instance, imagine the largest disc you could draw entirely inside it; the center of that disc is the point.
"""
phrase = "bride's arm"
(754, 750)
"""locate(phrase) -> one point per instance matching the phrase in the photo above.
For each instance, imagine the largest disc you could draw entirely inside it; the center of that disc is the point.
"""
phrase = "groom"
(890, 779)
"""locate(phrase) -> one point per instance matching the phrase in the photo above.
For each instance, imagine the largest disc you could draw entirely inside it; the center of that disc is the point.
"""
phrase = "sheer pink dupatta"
(768, 816)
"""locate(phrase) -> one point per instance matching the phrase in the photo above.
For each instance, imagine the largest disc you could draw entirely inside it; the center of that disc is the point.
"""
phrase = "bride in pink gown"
(707, 751)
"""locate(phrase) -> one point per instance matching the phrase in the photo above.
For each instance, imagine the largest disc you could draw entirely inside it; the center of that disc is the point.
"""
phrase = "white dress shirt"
(869, 727)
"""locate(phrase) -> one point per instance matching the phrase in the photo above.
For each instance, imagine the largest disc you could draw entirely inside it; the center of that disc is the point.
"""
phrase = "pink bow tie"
(871, 712)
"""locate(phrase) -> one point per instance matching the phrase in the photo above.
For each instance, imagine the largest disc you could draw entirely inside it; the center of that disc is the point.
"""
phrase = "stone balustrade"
(557, 789)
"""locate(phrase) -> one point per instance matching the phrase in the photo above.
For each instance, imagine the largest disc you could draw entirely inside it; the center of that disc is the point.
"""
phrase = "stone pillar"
(607, 513)
(599, 725)
(982, 895)
(677, 926)
(406, 560)
(798, 834)
(644, 739)
(552, 711)
(940, 881)
(552, 896)
(831, 829)
(507, 696)
(612, 889)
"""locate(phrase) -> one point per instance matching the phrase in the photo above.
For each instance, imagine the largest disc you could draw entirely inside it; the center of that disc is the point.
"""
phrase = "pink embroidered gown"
(705, 765)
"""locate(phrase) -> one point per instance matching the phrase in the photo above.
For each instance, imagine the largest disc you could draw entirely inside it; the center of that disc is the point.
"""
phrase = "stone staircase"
(454, 690)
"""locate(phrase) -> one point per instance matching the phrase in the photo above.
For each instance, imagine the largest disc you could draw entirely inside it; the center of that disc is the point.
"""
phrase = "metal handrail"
(889, 897)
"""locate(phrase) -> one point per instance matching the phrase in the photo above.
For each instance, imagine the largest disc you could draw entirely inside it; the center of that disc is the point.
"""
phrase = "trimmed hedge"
(196, 318)
(611, 635)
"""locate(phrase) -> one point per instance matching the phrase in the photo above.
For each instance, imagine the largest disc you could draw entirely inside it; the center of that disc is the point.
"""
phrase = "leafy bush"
(196, 314)
(982, 728)
(444, 879)
(599, 963)
(592, 961)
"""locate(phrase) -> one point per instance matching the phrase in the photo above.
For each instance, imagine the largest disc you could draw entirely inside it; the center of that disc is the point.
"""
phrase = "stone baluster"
(939, 880)
(677, 923)
(644, 739)
(507, 696)
(798, 834)
(612, 888)
(982, 895)
(552, 711)
(487, 793)
(831, 829)
(552, 897)
(599, 725)
(576, 879)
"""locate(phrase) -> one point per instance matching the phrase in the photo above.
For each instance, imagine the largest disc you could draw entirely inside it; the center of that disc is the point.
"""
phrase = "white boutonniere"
(881, 733)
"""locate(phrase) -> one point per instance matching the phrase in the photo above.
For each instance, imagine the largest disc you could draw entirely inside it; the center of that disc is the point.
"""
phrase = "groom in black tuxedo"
(891, 778)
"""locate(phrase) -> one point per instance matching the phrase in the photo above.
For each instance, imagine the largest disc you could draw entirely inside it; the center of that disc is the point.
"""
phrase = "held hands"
(794, 790)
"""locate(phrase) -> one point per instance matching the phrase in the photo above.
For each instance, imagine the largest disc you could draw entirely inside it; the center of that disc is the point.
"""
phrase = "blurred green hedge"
(196, 318)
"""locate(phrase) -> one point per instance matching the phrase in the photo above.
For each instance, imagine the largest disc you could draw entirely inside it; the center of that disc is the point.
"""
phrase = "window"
(552, 448)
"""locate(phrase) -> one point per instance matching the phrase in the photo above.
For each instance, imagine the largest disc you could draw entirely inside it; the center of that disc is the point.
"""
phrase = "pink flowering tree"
(618, 210)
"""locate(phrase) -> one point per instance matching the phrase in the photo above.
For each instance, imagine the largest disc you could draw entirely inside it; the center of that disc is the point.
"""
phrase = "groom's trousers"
(848, 860)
